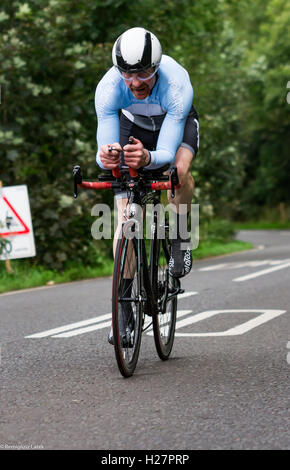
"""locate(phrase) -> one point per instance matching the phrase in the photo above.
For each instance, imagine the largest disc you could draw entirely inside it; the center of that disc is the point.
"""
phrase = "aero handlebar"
(136, 182)
(157, 185)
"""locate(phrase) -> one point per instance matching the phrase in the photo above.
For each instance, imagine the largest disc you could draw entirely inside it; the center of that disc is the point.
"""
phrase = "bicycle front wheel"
(127, 305)
(165, 288)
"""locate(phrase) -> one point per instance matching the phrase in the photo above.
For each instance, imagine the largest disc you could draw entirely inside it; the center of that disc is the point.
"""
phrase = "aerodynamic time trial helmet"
(136, 50)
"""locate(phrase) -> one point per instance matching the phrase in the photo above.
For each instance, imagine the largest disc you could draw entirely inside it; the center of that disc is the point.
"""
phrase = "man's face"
(140, 88)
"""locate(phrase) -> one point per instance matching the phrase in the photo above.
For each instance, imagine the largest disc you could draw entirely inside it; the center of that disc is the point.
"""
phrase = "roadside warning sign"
(16, 231)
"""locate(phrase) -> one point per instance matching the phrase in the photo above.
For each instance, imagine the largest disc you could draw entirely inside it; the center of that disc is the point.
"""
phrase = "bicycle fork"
(150, 303)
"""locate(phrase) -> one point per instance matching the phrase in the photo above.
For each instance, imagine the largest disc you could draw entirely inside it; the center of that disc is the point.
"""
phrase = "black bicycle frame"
(151, 308)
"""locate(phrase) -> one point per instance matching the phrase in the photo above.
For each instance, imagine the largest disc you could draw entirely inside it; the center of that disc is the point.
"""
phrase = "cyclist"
(149, 96)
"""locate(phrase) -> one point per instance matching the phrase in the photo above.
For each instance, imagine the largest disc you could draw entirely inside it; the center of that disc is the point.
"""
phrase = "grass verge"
(26, 276)
(261, 225)
(211, 248)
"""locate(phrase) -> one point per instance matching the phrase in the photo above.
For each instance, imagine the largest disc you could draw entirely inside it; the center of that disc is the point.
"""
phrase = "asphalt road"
(226, 385)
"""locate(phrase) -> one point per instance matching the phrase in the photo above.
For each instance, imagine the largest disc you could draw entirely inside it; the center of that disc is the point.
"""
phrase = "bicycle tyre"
(126, 352)
(163, 285)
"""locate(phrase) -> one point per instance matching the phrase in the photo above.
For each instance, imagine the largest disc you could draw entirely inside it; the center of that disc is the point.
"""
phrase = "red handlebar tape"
(95, 185)
(116, 173)
(133, 173)
(158, 185)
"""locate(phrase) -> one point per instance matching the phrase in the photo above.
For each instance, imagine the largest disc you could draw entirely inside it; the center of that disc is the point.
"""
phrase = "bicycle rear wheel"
(127, 305)
(164, 287)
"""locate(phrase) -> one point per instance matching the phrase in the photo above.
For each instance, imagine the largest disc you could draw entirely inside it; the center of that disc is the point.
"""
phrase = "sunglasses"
(142, 76)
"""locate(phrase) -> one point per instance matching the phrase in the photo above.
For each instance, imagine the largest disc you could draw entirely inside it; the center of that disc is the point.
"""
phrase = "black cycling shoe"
(110, 337)
(180, 262)
(127, 323)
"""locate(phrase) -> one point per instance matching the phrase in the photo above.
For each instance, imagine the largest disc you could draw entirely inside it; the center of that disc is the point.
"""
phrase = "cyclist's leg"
(121, 202)
(183, 159)
(181, 257)
(183, 194)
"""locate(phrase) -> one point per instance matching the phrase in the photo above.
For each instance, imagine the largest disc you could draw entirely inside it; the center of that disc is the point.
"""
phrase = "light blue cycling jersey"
(172, 95)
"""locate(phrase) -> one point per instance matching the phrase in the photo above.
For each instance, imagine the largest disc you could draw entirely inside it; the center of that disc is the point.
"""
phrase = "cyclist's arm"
(170, 138)
(195, 130)
(108, 132)
(107, 102)
(179, 101)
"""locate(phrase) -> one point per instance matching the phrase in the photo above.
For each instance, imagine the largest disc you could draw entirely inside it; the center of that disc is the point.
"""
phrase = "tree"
(267, 111)
(52, 55)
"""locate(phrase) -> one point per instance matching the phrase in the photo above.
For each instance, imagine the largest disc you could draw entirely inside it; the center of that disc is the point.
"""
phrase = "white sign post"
(16, 231)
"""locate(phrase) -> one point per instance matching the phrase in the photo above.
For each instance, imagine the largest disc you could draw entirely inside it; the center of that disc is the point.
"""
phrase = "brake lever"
(133, 173)
(78, 179)
(116, 171)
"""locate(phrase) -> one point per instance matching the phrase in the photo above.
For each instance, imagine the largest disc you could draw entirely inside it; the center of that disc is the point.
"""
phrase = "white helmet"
(135, 50)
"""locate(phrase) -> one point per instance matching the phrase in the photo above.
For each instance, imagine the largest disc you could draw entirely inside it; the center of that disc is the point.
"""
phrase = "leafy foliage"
(268, 72)
(54, 52)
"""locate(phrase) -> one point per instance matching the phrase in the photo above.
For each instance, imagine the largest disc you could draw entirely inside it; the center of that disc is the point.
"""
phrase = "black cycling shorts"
(149, 138)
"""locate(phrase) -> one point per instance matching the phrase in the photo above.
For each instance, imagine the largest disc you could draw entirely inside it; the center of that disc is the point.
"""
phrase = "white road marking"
(246, 264)
(215, 267)
(179, 314)
(288, 355)
(265, 316)
(96, 323)
(70, 326)
(186, 294)
(261, 273)
(100, 326)
(87, 329)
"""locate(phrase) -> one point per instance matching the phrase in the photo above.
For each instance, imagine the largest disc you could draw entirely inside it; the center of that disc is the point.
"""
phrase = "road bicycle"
(142, 286)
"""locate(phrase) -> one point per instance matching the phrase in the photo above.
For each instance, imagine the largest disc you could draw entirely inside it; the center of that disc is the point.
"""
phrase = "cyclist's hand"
(135, 155)
(110, 155)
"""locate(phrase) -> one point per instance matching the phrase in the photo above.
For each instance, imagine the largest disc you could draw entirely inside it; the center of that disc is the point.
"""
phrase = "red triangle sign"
(24, 229)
